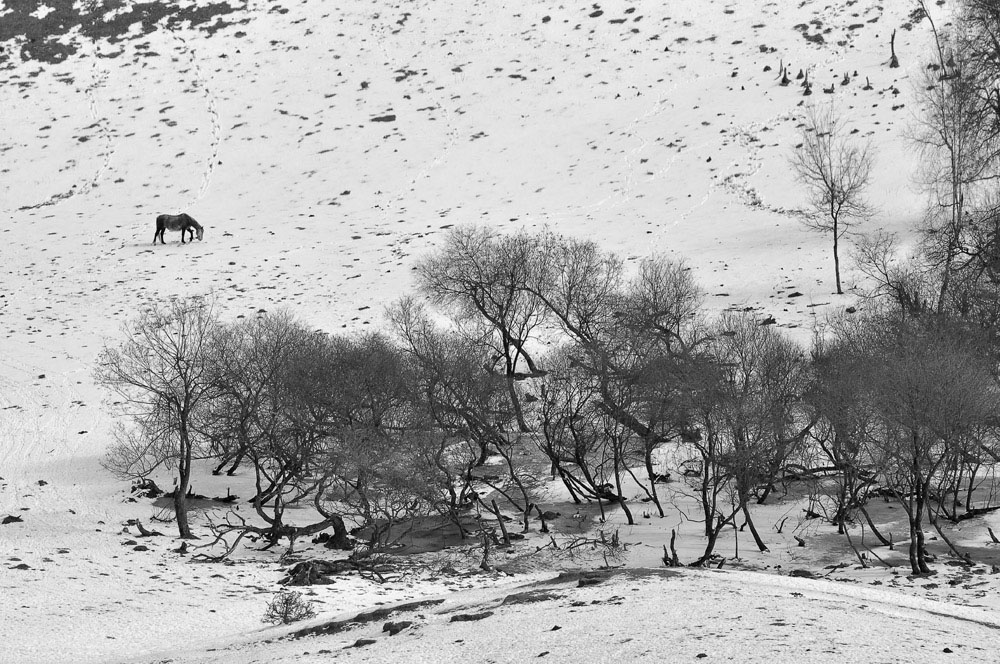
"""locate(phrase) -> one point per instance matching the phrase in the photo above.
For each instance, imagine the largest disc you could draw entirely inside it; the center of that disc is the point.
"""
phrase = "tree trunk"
(875, 530)
(954, 232)
(522, 424)
(766, 493)
(713, 537)
(180, 510)
(237, 461)
(628, 512)
(913, 550)
(218, 469)
(916, 552)
(972, 487)
(618, 487)
(842, 508)
(484, 455)
(836, 257)
(503, 527)
(707, 506)
(652, 480)
(567, 480)
(753, 529)
(183, 482)
(339, 539)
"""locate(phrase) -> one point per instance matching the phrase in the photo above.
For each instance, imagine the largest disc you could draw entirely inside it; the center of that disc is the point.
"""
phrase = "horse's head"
(200, 232)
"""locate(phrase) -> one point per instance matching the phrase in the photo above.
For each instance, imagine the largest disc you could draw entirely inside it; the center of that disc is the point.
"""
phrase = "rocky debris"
(804, 574)
(394, 628)
(471, 617)
(530, 597)
(145, 488)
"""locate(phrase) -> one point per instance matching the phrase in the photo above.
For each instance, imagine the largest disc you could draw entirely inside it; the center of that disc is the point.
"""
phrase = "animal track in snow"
(200, 82)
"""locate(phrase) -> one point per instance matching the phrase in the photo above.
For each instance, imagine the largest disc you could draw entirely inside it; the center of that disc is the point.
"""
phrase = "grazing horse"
(177, 222)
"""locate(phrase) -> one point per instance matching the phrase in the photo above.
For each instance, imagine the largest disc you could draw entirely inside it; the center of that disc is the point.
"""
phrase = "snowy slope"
(325, 145)
(643, 616)
(652, 129)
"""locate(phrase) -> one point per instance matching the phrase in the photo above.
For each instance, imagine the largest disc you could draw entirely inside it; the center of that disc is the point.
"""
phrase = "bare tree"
(662, 344)
(160, 375)
(482, 278)
(932, 394)
(906, 282)
(323, 418)
(836, 172)
(568, 435)
(376, 433)
(957, 134)
(760, 422)
(461, 396)
(248, 359)
(846, 421)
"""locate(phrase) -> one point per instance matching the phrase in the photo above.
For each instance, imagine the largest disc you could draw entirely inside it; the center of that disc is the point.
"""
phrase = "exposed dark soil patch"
(471, 617)
(335, 626)
(530, 597)
(47, 38)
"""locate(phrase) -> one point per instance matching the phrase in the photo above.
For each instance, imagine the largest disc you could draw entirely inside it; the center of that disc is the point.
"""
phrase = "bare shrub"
(288, 607)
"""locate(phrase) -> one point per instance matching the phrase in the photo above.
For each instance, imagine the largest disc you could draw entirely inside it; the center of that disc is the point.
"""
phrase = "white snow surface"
(672, 616)
(650, 127)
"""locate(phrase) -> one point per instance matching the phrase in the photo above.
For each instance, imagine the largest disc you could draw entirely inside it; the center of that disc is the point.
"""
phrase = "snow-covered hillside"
(325, 145)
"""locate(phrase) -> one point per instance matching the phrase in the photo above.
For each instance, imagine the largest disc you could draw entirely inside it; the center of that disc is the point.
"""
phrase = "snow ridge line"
(887, 600)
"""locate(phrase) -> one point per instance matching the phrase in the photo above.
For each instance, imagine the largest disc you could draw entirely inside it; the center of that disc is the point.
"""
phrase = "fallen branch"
(976, 511)
(879, 557)
(144, 532)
